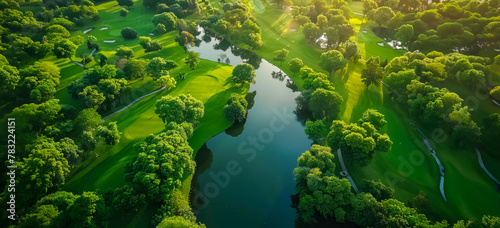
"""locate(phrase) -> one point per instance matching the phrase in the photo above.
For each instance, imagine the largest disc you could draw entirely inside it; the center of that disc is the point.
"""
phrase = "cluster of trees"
(322, 194)
(360, 141)
(330, 20)
(35, 83)
(100, 88)
(26, 39)
(239, 25)
(465, 26)
(164, 161)
(177, 7)
(410, 78)
(56, 139)
(318, 96)
(236, 108)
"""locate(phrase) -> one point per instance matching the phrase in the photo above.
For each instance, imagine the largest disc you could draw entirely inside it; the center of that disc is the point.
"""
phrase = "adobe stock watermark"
(248, 148)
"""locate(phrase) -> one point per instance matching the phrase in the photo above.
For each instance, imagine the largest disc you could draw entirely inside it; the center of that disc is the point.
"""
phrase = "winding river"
(244, 175)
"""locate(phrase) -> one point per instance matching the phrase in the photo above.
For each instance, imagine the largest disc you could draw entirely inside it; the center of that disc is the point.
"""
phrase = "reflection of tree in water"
(302, 109)
(291, 84)
(250, 97)
(237, 128)
(204, 159)
(278, 75)
(222, 45)
(206, 38)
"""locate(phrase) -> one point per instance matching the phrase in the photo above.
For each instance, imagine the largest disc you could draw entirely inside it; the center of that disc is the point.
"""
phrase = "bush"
(129, 33)
(236, 108)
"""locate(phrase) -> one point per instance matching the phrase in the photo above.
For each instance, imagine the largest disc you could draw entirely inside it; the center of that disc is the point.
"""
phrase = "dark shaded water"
(244, 175)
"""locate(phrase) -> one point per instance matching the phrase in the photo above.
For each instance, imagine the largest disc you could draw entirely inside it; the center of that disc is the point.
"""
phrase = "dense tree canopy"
(183, 108)
(244, 72)
(162, 163)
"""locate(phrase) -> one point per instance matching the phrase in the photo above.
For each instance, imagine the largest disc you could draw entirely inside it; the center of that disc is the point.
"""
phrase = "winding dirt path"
(440, 165)
(133, 102)
(480, 160)
(339, 154)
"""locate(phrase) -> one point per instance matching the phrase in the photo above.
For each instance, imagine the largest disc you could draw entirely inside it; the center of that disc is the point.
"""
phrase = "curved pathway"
(480, 160)
(133, 102)
(339, 153)
(440, 165)
(77, 63)
(495, 102)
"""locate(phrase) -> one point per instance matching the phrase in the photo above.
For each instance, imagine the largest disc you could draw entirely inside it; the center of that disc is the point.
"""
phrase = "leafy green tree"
(495, 93)
(124, 52)
(180, 222)
(109, 133)
(149, 45)
(244, 72)
(316, 130)
(170, 65)
(129, 33)
(70, 150)
(183, 108)
(280, 55)
(373, 117)
(351, 51)
(193, 59)
(369, 5)
(162, 163)
(373, 73)
(466, 133)
(397, 64)
(123, 12)
(185, 39)
(97, 73)
(404, 34)
(332, 61)
(135, 68)
(223, 27)
(175, 205)
(64, 49)
(325, 104)
(9, 79)
(332, 36)
(471, 78)
(55, 32)
(236, 108)
(382, 15)
(92, 97)
(168, 19)
(295, 64)
(377, 189)
(167, 81)
(92, 42)
(311, 31)
(156, 67)
(42, 172)
(358, 142)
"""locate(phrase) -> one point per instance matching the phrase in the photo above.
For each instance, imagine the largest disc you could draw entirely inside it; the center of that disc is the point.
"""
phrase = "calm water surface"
(244, 175)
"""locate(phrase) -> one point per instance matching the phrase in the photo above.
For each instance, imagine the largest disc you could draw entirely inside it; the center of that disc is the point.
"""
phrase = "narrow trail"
(77, 63)
(133, 102)
(480, 160)
(440, 165)
(339, 154)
